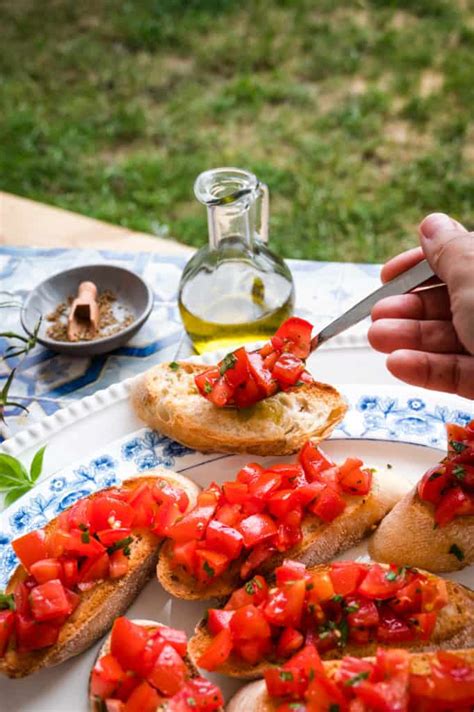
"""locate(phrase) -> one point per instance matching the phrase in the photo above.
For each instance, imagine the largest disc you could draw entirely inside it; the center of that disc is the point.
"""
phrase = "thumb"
(449, 248)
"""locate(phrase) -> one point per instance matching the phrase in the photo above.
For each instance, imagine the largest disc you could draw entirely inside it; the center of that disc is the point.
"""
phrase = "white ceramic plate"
(102, 439)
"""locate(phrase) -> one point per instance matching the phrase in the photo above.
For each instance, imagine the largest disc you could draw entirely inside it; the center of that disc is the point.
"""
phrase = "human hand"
(429, 334)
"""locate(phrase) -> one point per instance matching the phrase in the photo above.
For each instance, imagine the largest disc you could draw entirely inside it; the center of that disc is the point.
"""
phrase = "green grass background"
(358, 115)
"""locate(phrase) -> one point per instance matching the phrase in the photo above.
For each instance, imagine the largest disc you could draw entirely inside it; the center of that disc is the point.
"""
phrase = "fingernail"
(435, 222)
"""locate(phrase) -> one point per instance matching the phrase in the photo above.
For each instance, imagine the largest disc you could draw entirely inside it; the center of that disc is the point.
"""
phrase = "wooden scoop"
(84, 313)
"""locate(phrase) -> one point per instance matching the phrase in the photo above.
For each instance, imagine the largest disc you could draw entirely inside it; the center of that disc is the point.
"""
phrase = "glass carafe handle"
(265, 212)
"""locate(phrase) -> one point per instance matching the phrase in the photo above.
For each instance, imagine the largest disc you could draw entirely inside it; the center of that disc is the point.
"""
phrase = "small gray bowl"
(132, 293)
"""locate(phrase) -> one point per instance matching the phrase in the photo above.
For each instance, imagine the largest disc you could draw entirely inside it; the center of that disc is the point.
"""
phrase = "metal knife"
(405, 282)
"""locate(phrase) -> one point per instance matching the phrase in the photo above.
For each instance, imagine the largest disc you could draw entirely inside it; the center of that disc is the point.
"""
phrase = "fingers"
(451, 373)
(425, 304)
(387, 335)
(401, 263)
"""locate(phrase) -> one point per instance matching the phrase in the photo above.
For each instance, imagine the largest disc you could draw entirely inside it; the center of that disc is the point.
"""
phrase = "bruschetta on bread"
(143, 665)
(432, 527)
(308, 510)
(84, 568)
(262, 402)
(393, 681)
(344, 608)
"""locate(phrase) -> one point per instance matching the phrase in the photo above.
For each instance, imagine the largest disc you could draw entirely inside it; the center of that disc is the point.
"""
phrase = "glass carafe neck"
(237, 205)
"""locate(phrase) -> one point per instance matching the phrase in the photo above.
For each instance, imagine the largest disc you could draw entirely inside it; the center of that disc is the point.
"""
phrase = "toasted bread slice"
(454, 629)
(255, 698)
(100, 605)
(321, 542)
(95, 705)
(408, 536)
(168, 400)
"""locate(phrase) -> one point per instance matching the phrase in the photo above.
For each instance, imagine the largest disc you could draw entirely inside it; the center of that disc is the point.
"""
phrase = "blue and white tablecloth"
(46, 381)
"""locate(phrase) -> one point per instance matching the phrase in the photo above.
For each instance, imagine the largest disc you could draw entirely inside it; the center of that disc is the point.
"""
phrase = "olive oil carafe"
(234, 289)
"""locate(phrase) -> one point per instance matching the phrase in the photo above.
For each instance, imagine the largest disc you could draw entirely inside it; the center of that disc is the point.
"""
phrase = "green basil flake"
(334, 707)
(250, 588)
(258, 583)
(174, 366)
(309, 586)
(228, 362)
(121, 544)
(7, 601)
(337, 598)
(357, 678)
(311, 675)
(286, 675)
(459, 472)
(391, 575)
(435, 476)
(297, 706)
(85, 536)
(191, 701)
(207, 387)
(299, 383)
(344, 631)
(352, 608)
(457, 446)
(208, 569)
(457, 552)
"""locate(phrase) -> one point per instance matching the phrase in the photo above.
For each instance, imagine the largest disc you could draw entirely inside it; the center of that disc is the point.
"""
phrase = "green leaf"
(15, 493)
(11, 467)
(37, 464)
(7, 601)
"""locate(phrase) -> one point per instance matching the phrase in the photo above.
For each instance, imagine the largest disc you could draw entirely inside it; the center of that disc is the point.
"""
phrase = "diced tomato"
(289, 642)
(217, 652)
(256, 529)
(292, 474)
(209, 564)
(32, 635)
(281, 502)
(263, 377)
(108, 537)
(314, 461)
(49, 601)
(7, 625)
(294, 335)
(143, 505)
(409, 598)
(109, 512)
(254, 591)
(288, 369)
(143, 698)
(247, 394)
(56, 543)
(392, 629)
(118, 564)
(361, 613)
(20, 595)
(434, 594)
(95, 569)
(166, 517)
(74, 599)
(235, 492)
(218, 619)
(237, 368)
(229, 514)
(163, 492)
(453, 503)
(252, 651)
(184, 554)
(193, 524)
(78, 515)
(225, 539)
(257, 556)
(328, 505)
(433, 483)
(285, 606)
(290, 571)
(169, 671)
(206, 380)
(205, 697)
(174, 637)
(267, 483)
(82, 543)
(320, 587)
(381, 582)
(323, 693)
(424, 624)
(46, 570)
(249, 622)
(70, 573)
(269, 356)
(127, 644)
(354, 480)
(221, 393)
(31, 547)
(249, 473)
(351, 668)
(106, 675)
(346, 576)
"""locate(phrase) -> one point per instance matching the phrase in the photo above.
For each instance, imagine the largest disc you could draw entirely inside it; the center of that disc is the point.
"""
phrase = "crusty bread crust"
(100, 605)
(407, 536)
(94, 703)
(321, 542)
(169, 401)
(454, 629)
(254, 697)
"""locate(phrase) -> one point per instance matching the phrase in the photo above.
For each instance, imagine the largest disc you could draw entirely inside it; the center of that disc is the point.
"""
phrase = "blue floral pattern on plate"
(378, 416)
